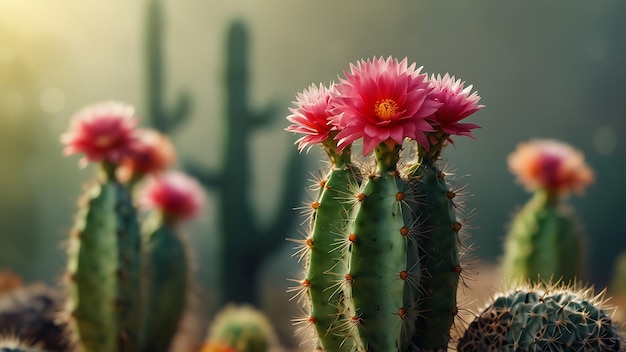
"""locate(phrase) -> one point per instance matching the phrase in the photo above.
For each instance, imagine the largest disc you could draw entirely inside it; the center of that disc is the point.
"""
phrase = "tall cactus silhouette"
(244, 242)
(163, 119)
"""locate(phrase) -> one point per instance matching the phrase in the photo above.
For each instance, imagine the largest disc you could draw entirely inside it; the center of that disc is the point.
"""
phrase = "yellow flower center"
(104, 141)
(385, 109)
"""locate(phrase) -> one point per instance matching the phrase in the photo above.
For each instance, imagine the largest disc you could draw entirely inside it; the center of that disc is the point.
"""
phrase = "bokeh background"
(544, 70)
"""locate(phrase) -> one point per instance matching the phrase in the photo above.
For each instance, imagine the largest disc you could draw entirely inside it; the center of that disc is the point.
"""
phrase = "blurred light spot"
(596, 50)
(52, 100)
(6, 55)
(605, 140)
(12, 105)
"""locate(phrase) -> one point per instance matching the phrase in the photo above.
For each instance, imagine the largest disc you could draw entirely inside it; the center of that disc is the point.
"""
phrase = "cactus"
(243, 328)
(244, 244)
(35, 314)
(163, 119)
(545, 240)
(399, 289)
(104, 270)
(552, 318)
(104, 250)
(173, 196)
(11, 344)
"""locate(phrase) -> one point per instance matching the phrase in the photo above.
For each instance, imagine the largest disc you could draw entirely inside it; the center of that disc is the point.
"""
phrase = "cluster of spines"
(544, 317)
(406, 324)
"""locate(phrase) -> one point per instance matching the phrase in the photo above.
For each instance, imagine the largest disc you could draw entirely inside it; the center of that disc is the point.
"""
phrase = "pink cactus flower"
(102, 132)
(175, 194)
(383, 101)
(152, 152)
(551, 165)
(311, 116)
(457, 104)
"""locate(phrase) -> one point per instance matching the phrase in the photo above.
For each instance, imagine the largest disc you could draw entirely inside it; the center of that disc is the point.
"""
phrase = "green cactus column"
(104, 269)
(438, 242)
(545, 242)
(328, 250)
(378, 260)
(244, 245)
(167, 276)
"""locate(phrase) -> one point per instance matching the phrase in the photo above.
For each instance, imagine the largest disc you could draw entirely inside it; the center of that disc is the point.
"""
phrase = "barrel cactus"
(544, 318)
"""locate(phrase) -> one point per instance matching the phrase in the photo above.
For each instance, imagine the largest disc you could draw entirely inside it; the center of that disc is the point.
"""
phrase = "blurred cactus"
(618, 282)
(244, 245)
(242, 328)
(172, 197)
(556, 318)
(162, 118)
(36, 314)
(545, 240)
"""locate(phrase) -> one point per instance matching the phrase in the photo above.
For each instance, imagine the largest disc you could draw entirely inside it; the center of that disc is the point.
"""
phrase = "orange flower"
(551, 165)
(151, 152)
(217, 347)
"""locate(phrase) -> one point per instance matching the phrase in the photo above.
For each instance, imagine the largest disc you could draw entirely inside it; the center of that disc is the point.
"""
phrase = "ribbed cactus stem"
(439, 245)
(379, 256)
(328, 253)
(167, 273)
(545, 241)
(104, 265)
(93, 259)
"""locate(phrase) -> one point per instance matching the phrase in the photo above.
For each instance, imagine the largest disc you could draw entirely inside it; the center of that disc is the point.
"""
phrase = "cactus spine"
(536, 319)
(439, 245)
(327, 261)
(167, 281)
(104, 269)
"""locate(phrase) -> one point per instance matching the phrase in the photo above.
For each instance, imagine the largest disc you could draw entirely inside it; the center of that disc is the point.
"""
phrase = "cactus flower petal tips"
(383, 100)
(311, 116)
(551, 165)
(175, 194)
(457, 102)
(102, 132)
(152, 152)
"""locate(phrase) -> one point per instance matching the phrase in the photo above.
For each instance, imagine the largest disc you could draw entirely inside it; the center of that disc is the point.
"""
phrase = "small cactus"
(104, 251)
(242, 328)
(545, 240)
(35, 314)
(543, 318)
(172, 197)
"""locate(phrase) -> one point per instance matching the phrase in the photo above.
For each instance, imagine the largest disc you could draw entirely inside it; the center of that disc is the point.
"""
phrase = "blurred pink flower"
(550, 165)
(311, 115)
(383, 101)
(458, 104)
(151, 152)
(102, 132)
(175, 194)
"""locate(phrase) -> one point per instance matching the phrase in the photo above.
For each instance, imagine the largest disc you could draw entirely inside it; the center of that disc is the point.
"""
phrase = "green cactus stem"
(244, 245)
(163, 119)
(167, 273)
(545, 242)
(328, 254)
(534, 319)
(439, 250)
(378, 261)
(104, 267)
